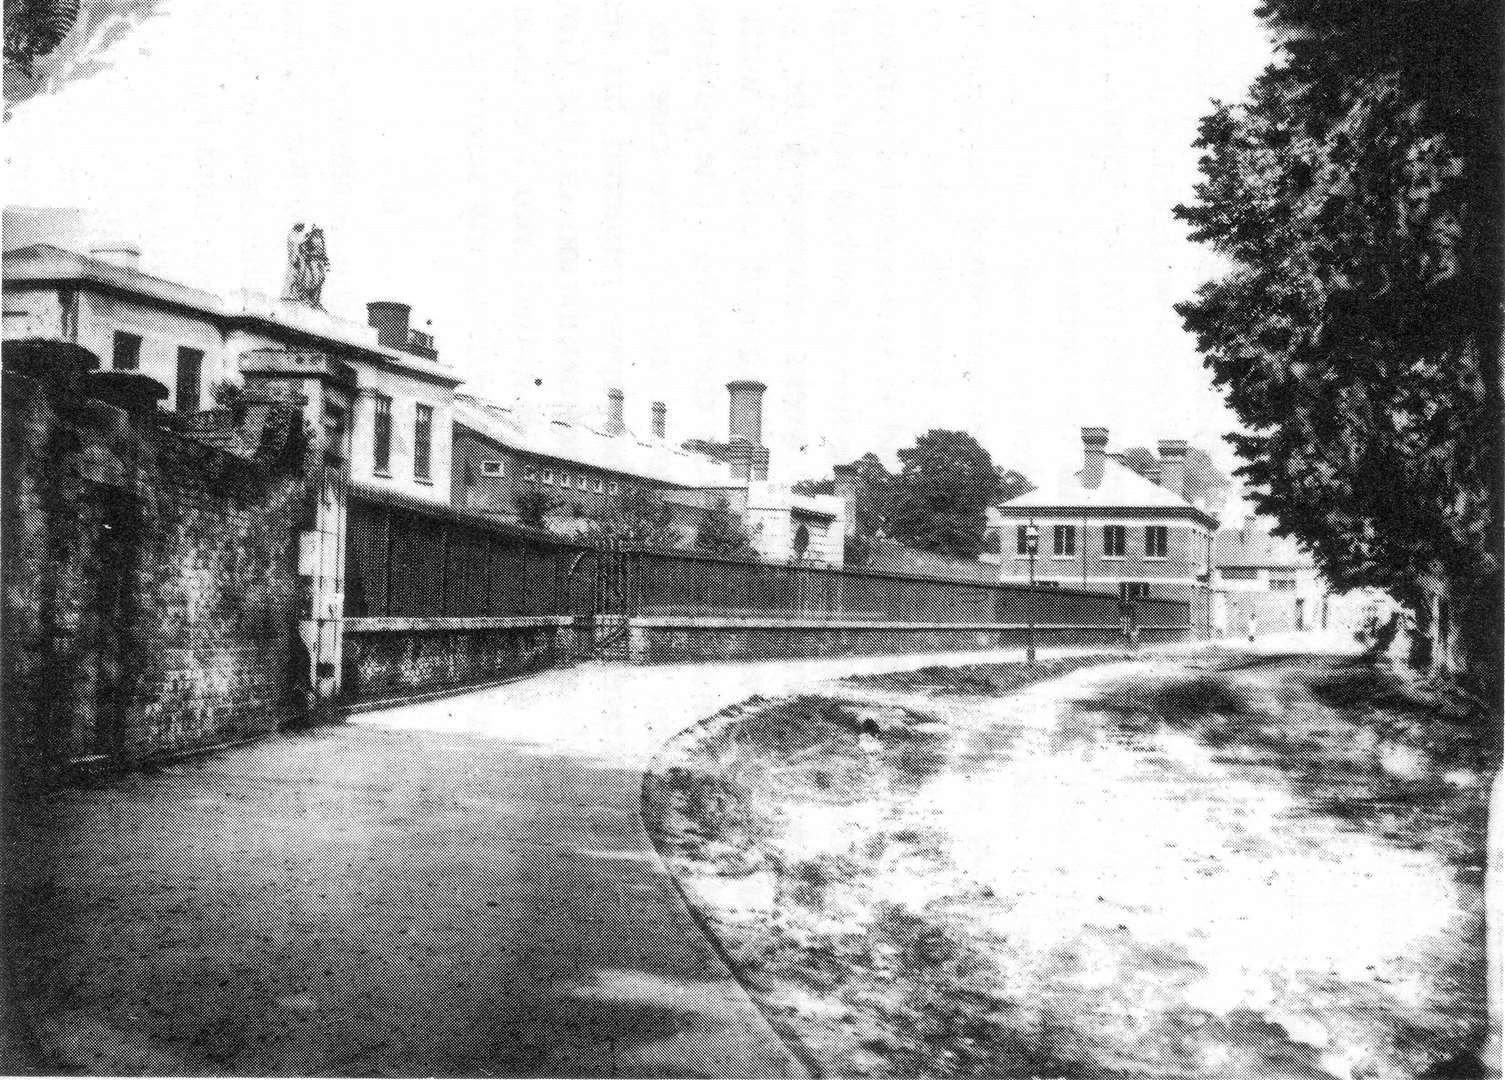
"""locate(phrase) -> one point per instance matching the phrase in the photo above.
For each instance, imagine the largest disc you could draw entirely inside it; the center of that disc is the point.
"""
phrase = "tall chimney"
(391, 321)
(122, 253)
(1173, 465)
(615, 425)
(745, 418)
(846, 490)
(1094, 454)
(659, 413)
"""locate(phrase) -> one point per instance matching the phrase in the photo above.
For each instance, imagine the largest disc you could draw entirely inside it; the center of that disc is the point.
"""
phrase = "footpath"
(458, 887)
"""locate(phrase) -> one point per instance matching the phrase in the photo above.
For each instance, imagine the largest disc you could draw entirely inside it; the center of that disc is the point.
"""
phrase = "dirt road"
(1251, 866)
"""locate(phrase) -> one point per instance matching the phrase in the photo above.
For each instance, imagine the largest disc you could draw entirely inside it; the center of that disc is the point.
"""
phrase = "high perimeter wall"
(150, 585)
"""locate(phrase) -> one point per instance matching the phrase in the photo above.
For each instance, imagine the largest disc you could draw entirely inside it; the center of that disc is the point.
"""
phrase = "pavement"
(459, 887)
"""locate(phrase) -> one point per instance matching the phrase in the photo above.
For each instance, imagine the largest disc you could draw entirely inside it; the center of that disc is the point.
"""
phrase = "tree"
(941, 496)
(533, 507)
(1357, 334)
(721, 531)
(637, 517)
(50, 43)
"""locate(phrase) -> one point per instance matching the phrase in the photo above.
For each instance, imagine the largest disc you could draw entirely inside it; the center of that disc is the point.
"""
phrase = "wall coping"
(654, 622)
(394, 624)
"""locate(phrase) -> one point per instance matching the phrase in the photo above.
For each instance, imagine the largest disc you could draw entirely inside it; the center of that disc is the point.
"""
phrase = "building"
(581, 464)
(403, 434)
(1108, 528)
(1272, 578)
(190, 340)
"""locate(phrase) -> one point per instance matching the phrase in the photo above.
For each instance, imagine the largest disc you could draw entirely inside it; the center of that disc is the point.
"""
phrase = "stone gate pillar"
(325, 387)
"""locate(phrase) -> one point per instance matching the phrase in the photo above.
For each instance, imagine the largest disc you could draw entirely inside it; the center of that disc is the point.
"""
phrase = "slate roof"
(589, 444)
(1121, 489)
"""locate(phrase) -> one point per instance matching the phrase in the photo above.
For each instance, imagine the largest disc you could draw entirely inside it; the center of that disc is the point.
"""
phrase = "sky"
(899, 215)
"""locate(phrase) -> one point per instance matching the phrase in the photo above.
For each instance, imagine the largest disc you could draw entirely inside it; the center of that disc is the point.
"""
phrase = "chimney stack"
(122, 253)
(744, 429)
(391, 321)
(615, 425)
(846, 482)
(1094, 455)
(659, 412)
(1173, 465)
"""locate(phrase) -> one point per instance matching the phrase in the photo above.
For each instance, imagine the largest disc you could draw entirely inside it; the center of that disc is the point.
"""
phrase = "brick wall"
(150, 585)
(388, 658)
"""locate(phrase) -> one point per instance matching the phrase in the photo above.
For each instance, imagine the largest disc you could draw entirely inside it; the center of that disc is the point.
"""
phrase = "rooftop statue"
(307, 266)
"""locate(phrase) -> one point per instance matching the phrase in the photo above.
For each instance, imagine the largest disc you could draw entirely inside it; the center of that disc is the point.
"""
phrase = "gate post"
(325, 387)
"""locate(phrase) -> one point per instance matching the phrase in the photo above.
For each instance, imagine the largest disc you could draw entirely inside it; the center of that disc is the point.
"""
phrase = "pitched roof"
(590, 445)
(1256, 545)
(1121, 489)
(47, 263)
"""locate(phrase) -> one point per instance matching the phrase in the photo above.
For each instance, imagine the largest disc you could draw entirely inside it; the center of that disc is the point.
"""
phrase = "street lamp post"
(1032, 546)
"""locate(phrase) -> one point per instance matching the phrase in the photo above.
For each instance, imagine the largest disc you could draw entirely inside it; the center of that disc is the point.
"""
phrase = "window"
(1156, 541)
(1239, 573)
(1021, 540)
(1282, 584)
(530, 473)
(612, 487)
(1113, 541)
(582, 483)
(491, 468)
(190, 378)
(334, 433)
(1134, 590)
(423, 439)
(381, 435)
(127, 354)
(598, 486)
(1065, 540)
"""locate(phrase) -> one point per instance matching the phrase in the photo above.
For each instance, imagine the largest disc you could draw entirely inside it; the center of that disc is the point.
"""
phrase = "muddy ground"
(1209, 866)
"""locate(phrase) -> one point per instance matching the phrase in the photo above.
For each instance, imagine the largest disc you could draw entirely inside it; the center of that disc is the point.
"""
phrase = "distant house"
(1108, 528)
(1272, 578)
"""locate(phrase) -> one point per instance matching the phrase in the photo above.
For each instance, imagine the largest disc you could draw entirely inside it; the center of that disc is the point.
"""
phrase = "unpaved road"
(458, 887)
(1229, 868)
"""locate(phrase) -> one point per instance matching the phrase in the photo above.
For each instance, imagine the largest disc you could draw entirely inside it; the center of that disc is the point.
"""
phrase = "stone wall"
(681, 640)
(389, 658)
(150, 589)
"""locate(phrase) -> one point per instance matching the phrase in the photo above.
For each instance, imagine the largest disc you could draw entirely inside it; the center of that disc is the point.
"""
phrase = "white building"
(189, 340)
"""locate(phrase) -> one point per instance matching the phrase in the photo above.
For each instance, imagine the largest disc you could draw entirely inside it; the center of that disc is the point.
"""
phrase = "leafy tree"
(1357, 335)
(941, 496)
(721, 531)
(637, 517)
(50, 43)
(533, 507)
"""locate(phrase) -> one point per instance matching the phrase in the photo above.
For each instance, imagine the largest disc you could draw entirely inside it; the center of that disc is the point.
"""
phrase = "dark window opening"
(1156, 540)
(127, 351)
(423, 438)
(190, 379)
(1113, 541)
(381, 443)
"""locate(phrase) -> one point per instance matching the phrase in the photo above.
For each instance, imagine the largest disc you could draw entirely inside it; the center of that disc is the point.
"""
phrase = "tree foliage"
(721, 532)
(1012, 484)
(874, 492)
(533, 507)
(941, 496)
(637, 517)
(1357, 333)
(51, 43)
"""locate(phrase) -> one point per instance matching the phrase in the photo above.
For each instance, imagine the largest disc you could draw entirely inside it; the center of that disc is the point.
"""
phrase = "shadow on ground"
(350, 901)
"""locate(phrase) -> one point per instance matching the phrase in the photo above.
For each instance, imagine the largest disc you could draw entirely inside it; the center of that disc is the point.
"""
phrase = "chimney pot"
(1173, 465)
(1094, 453)
(615, 424)
(659, 413)
(846, 485)
(391, 321)
(745, 415)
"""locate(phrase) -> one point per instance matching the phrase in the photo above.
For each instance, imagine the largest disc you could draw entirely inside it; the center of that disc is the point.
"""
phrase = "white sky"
(899, 215)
